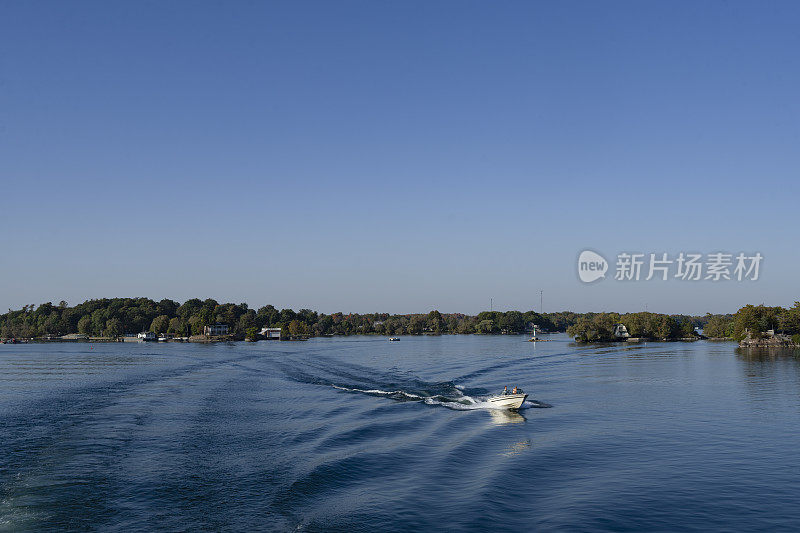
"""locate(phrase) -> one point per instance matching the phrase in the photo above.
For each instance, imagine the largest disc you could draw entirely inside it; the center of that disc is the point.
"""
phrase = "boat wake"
(453, 399)
(398, 395)
(396, 385)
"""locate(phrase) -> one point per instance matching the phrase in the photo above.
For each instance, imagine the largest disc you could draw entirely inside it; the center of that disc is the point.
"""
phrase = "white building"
(216, 330)
(146, 336)
(270, 333)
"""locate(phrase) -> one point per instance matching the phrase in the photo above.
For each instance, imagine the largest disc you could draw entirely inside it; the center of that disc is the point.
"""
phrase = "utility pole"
(541, 298)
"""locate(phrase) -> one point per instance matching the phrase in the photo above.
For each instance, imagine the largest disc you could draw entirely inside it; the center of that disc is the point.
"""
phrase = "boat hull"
(507, 401)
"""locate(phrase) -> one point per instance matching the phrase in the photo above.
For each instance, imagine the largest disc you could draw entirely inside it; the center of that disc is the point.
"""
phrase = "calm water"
(362, 434)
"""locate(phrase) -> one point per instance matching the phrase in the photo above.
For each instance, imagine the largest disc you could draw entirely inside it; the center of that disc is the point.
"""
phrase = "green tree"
(416, 324)
(176, 326)
(196, 324)
(636, 324)
(267, 316)
(297, 328)
(686, 328)
(468, 325)
(484, 326)
(667, 327)
(167, 307)
(755, 320)
(597, 327)
(307, 315)
(98, 321)
(790, 320)
(287, 315)
(160, 324)
(189, 309)
(435, 322)
(113, 328)
(718, 326)
(245, 321)
(85, 325)
(512, 322)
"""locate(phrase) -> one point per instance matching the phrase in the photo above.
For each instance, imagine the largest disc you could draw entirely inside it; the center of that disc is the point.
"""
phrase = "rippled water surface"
(362, 434)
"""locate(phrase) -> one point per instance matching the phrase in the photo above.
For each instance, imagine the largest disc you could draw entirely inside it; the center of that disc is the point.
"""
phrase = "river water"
(361, 434)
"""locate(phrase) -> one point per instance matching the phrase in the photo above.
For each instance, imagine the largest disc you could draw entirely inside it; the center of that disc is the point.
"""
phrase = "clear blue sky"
(395, 156)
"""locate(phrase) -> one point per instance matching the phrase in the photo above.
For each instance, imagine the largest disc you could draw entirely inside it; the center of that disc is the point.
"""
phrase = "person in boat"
(514, 391)
(505, 390)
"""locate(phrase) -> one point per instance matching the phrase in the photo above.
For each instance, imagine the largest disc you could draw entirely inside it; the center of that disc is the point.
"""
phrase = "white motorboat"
(507, 401)
(392, 339)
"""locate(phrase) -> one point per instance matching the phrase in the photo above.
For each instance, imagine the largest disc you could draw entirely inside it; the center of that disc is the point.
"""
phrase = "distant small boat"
(394, 338)
(507, 401)
(163, 339)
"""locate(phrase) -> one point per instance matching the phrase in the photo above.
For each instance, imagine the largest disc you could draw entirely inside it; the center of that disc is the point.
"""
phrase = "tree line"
(601, 327)
(755, 320)
(112, 317)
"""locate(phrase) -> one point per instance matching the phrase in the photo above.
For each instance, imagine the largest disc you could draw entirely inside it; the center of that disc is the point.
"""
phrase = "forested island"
(112, 318)
(752, 323)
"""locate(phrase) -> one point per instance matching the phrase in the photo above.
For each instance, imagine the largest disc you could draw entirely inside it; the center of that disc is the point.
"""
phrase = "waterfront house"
(620, 331)
(270, 333)
(216, 330)
(146, 336)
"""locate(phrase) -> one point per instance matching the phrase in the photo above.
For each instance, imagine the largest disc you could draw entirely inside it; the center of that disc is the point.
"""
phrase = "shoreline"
(200, 339)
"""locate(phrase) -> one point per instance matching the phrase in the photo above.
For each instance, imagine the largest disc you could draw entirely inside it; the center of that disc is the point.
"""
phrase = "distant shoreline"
(195, 320)
(199, 339)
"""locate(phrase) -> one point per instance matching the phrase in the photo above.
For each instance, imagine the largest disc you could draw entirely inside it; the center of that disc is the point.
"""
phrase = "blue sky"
(398, 157)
